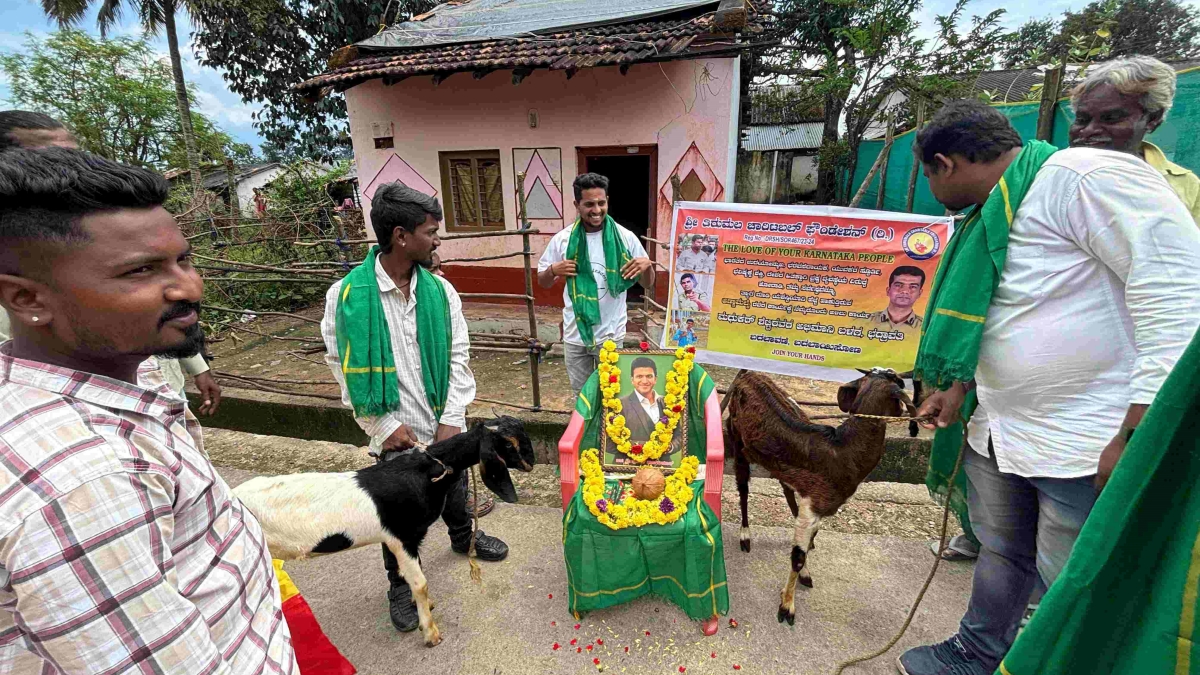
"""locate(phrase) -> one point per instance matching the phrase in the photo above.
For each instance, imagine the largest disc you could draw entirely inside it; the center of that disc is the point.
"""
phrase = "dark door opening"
(631, 172)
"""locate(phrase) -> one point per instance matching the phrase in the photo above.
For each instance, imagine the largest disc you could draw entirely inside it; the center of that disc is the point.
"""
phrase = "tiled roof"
(611, 45)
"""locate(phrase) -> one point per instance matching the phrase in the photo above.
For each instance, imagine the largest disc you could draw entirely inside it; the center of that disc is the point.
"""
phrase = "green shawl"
(585, 294)
(365, 344)
(958, 306)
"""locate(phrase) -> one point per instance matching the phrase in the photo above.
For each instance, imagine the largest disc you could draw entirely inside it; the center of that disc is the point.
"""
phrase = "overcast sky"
(234, 116)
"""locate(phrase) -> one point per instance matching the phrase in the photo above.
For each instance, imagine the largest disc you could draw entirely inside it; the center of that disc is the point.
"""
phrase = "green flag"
(1126, 603)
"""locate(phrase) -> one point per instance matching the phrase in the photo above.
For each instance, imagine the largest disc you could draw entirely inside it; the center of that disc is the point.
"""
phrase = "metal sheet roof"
(476, 20)
(805, 136)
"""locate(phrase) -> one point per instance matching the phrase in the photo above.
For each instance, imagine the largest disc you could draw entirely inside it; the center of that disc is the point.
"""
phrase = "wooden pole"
(891, 129)
(916, 165)
(525, 226)
(1051, 90)
(235, 208)
(862, 189)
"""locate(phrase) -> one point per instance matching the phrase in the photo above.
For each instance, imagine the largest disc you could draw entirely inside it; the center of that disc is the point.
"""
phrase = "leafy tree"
(116, 96)
(858, 55)
(1027, 46)
(264, 47)
(1166, 29)
(155, 15)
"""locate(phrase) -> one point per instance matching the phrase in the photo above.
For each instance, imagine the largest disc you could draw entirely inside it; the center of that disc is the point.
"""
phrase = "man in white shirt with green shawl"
(396, 341)
(593, 304)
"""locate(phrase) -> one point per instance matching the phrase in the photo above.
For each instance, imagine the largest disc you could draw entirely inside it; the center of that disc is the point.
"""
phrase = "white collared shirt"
(1099, 297)
(401, 315)
(651, 407)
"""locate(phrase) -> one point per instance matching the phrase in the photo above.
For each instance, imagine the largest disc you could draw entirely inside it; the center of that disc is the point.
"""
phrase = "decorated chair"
(676, 551)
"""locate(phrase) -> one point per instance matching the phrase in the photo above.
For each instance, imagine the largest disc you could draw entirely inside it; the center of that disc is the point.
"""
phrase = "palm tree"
(155, 15)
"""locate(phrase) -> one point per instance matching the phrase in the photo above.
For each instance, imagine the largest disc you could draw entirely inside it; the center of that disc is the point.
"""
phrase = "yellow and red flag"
(315, 654)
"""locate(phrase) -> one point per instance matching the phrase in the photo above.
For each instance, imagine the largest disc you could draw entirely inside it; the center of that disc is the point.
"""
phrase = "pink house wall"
(671, 105)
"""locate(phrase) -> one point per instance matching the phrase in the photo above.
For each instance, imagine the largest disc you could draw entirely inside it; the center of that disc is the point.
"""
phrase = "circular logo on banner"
(921, 243)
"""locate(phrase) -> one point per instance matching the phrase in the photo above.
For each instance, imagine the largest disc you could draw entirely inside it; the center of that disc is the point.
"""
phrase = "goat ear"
(913, 428)
(846, 395)
(495, 472)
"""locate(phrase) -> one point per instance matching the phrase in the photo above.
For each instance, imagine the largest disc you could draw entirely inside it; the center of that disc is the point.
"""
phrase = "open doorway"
(632, 172)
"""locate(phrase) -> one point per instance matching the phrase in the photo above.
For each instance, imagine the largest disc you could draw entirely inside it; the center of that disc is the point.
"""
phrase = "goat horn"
(864, 372)
(907, 375)
(494, 413)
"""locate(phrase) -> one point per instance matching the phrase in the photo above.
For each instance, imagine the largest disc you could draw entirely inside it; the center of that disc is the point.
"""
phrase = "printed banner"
(801, 290)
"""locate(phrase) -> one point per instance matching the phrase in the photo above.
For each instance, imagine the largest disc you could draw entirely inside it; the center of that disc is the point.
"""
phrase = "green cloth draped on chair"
(683, 562)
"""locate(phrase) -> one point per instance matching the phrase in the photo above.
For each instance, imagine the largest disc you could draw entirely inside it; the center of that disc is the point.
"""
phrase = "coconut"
(648, 483)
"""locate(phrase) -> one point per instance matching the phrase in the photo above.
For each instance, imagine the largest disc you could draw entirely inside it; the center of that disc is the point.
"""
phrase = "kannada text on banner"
(801, 290)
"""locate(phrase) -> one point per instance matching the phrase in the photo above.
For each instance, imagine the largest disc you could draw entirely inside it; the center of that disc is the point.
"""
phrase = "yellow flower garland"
(668, 508)
(674, 404)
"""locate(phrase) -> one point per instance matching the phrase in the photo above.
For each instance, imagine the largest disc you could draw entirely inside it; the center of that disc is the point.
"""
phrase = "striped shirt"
(401, 315)
(121, 549)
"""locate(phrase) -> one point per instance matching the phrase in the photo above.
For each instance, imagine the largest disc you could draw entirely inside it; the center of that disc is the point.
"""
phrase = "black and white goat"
(393, 502)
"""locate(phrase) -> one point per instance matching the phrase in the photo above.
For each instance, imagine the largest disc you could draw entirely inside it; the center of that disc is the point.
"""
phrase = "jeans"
(581, 363)
(455, 515)
(1027, 527)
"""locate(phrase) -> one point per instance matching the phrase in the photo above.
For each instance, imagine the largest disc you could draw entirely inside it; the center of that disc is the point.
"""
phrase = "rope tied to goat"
(942, 544)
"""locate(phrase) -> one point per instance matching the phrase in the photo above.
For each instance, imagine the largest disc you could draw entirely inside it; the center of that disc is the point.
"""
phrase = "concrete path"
(864, 585)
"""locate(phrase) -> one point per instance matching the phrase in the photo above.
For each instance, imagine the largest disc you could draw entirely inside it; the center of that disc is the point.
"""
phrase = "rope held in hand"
(928, 580)
(476, 572)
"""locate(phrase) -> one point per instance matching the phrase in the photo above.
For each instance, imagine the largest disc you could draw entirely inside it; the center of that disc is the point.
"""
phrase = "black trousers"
(455, 515)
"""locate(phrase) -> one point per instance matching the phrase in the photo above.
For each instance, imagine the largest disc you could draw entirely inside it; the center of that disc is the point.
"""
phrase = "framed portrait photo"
(643, 383)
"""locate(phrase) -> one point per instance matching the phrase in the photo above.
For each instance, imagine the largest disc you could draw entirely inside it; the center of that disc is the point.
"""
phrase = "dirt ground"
(500, 376)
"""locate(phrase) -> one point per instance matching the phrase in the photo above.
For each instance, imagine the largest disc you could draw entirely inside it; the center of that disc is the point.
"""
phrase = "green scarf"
(585, 294)
(958, 306)
(365, 344)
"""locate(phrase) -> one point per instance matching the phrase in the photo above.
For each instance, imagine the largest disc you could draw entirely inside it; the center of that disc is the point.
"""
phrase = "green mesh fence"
(1179, 138)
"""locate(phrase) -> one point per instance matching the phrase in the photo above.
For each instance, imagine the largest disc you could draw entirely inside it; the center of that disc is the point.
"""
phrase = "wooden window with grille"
(473, 194)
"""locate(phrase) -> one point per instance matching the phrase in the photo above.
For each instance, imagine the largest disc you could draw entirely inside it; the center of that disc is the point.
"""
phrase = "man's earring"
(35, 319)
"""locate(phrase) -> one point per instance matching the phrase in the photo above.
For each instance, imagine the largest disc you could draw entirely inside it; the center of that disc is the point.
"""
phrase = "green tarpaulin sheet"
(1126, 603)
(683, 562)
(1179, 138)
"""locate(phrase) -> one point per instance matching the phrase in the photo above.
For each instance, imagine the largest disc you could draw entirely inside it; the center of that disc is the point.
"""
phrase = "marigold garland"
(674, 404)
(668, 508)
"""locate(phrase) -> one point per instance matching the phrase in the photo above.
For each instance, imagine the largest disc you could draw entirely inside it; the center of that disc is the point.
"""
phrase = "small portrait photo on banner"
(696, 253)
(688, 329)
(693, 292)
(643, 388)
(906, 285)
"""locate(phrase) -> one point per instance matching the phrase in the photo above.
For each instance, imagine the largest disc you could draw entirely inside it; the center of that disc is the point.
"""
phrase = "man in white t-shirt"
(591, 201)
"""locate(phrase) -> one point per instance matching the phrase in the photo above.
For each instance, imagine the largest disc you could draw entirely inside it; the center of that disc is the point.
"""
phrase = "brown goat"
(824, 464)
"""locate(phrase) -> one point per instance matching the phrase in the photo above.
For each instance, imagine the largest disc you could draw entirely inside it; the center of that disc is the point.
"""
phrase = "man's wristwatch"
(1127, 433)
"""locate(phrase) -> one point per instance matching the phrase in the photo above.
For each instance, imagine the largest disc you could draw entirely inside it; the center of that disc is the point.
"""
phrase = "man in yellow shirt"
(1118, 104)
